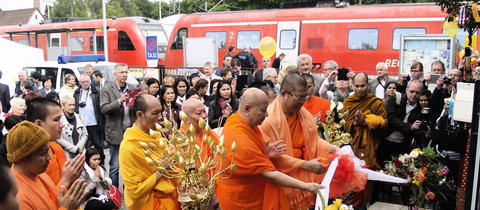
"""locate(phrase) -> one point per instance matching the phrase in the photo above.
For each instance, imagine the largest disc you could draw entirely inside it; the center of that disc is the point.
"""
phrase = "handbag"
(116, 196)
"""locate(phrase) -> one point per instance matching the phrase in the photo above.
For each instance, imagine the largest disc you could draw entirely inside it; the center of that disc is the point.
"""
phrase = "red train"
(126, 38)
(357, 36)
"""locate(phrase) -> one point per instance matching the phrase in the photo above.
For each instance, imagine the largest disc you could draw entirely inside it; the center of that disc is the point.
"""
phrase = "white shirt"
(380, 90)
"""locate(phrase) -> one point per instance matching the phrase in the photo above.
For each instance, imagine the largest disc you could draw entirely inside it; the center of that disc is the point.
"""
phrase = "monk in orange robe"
(195, 110)
(295, 126)
(367, 117)
(28, 146)
(46, 113)
(145, 187)
(317, 106)
(365, 121)
(255, 184)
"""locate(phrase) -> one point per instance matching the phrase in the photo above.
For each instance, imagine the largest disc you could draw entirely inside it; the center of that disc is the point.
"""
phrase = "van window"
(99, 43)
(288, 39)
(397, 32)
(178, 41)
(363, 39)
(75, 43)
(220, 36)
(66, 71)
(50, 72)
(248, 38)
(124, 42)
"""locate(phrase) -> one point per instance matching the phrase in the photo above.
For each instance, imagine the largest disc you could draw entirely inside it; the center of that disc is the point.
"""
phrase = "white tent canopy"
(13, 56)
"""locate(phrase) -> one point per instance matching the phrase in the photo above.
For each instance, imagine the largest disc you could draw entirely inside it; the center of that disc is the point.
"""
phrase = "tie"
(210, 78)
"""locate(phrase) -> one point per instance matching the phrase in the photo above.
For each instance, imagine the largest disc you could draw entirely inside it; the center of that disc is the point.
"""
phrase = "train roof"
(325, 13)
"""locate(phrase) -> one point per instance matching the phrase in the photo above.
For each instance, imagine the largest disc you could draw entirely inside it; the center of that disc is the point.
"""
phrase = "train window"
(75, 43)
(178, 41)
(248, 38)
(315, 43)
(55, 42)
(221, 37)
(288, 39)
(23, 41)
(397, 32)
(99, 43)
(363, 39)
(124, 42)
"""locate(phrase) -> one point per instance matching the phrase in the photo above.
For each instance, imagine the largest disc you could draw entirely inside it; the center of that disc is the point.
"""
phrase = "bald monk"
(367, 117)
(27, 147)
(289, 122)
(145, 187)
(317, 106)
(256, 184)
(195, 110)
(46, 113)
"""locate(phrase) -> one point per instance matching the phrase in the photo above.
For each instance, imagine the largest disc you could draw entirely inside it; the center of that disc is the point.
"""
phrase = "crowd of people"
(55, 141)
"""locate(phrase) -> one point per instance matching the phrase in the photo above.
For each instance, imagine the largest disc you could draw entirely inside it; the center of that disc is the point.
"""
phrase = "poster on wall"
(426, 48)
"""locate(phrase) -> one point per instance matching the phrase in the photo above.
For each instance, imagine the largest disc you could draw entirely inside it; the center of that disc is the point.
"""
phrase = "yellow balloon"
(450, 28)
(267, 47)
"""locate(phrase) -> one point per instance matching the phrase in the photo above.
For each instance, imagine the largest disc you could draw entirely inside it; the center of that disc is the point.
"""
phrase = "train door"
(55, 49)
(288, 34)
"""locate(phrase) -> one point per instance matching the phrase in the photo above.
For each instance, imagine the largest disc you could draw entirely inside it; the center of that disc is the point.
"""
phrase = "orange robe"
(246, 188)
(142, 191)
(54, 169)
(35, 193)
(300, 135)
(317, 105)
(366, 138)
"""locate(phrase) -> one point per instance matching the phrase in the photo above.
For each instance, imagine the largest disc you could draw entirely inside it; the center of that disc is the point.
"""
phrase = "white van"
(58, 71)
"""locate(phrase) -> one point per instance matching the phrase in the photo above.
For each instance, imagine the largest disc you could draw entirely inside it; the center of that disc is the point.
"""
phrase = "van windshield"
(107, 72)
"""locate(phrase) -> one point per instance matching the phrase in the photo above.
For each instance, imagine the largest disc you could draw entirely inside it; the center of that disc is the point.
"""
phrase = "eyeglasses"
(86, 81)
(302, 99)
(414, 71)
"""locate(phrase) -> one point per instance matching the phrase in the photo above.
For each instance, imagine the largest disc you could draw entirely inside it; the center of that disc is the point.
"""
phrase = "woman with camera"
(224, 105)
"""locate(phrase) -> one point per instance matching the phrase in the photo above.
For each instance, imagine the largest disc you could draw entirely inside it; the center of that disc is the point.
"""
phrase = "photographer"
(407, 124)
(446, 88)
(87, 105)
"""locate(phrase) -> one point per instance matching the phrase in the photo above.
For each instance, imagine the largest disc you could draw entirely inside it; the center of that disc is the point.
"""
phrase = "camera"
(447, 80)
(406, 79)
(83, 104)
(425, 114)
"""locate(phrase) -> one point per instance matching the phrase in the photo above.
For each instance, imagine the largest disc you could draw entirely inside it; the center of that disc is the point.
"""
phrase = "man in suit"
(259, 74)
(236, 70)
(99, 80)
(377, 86)
(22, 76)
(113, 98)
(4, 96)
(278, 61)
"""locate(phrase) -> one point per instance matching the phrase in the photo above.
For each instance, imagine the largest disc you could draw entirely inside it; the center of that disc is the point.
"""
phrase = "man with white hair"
(377, 86)
(209, 71)
(271, 75)
(304, 65)
(22, 76)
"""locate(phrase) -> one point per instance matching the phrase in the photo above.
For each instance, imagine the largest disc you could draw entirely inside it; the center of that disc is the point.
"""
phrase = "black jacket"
(215, 114)
(436, 102)
(246, 59)
(276, 63)
(5, 97)
(95, 96)
(396, 114)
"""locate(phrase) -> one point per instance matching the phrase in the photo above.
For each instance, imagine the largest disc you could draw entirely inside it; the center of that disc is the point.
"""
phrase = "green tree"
(115, 9)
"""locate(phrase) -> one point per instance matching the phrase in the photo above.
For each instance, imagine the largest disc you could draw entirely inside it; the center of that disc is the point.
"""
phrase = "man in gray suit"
(304, 65)
(113, 97)
(4, 96)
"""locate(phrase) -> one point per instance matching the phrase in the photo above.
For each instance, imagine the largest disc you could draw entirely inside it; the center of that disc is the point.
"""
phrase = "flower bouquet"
(191, 163)
(423, 170)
